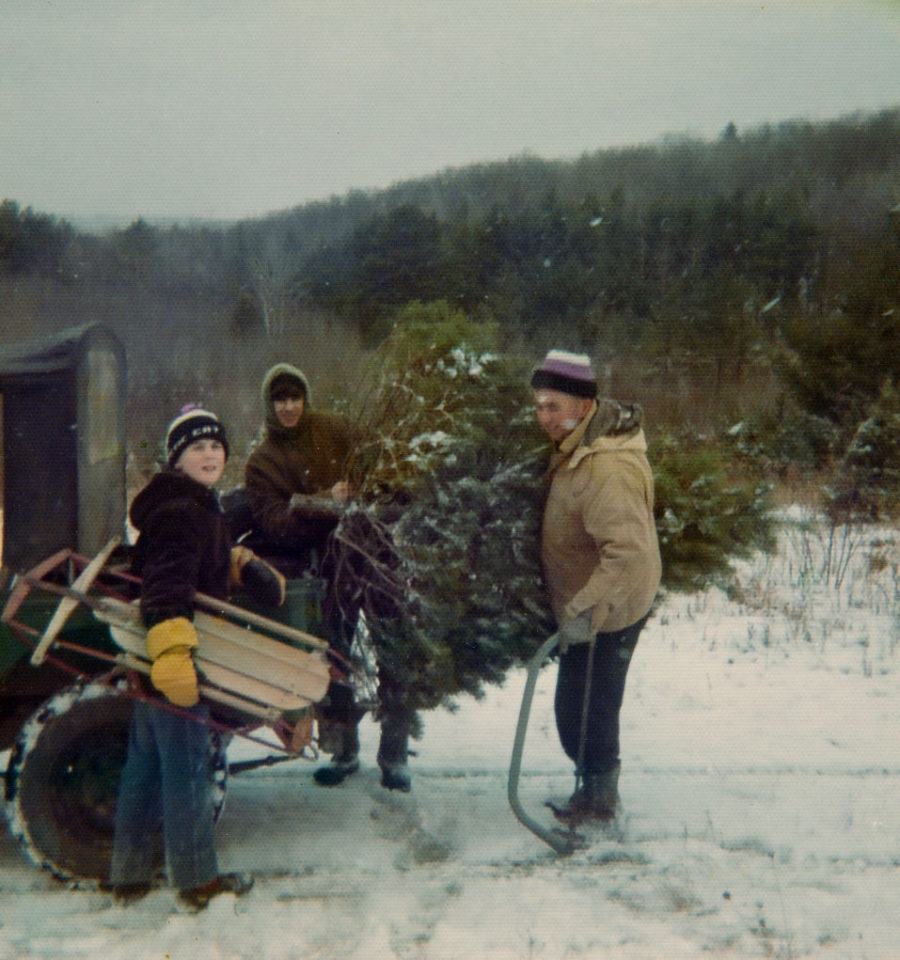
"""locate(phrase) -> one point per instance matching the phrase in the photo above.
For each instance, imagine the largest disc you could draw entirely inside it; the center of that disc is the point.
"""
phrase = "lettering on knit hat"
(192, 424)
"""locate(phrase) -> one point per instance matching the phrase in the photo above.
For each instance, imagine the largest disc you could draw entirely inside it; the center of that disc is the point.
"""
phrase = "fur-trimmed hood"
(609, 425)
(613, 419)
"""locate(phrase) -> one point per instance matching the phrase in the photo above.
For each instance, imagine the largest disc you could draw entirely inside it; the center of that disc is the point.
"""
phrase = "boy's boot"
(596, 799)
(127, 893)
(197, 898)
(345, 761)
(393, 751)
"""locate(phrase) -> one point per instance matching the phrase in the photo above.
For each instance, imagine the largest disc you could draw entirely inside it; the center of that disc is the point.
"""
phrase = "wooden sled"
(255, 665)
(237, 666)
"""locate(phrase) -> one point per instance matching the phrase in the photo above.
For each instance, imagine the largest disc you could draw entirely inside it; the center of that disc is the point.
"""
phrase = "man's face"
(289, 408)
(558, 414)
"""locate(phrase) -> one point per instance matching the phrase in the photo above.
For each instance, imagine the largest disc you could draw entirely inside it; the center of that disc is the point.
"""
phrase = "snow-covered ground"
(761, 770)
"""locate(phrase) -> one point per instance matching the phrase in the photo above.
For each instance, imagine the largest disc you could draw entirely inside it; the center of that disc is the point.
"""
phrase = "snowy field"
(761, 769)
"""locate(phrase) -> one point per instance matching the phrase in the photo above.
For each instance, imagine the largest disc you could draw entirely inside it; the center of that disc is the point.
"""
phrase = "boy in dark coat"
(183, 548)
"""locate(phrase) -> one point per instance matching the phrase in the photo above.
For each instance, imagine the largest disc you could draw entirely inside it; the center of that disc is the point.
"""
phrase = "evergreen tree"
(866, 485)
(703, 520)
(442, 549)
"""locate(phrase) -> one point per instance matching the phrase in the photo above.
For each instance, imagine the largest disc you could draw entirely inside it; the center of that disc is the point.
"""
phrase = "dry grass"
(225, 373)
(704, 396)
(181, 351)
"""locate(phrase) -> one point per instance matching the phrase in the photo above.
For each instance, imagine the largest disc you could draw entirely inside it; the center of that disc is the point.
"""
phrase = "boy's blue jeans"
(165, 781)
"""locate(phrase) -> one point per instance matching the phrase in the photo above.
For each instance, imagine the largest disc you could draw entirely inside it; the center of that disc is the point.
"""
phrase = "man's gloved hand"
(316, 508)
(575, 630)
(261, 580)
(169, 646)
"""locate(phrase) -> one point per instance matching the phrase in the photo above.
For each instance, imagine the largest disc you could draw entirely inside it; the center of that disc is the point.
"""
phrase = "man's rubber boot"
(596, 799)
(197, 898)
(395, 776)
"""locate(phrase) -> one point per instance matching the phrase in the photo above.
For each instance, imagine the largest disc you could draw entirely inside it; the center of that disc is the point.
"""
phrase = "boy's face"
(288, 408)
(203, 461)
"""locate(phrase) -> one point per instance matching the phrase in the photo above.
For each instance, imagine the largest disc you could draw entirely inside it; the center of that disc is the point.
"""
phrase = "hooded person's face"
(288, 409)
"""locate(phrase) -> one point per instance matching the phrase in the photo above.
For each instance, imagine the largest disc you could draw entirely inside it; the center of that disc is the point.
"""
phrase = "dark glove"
(260, 579)
(316, 508)
(263, 582)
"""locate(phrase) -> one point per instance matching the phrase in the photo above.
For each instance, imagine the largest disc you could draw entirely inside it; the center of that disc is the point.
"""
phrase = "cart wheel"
(63, 778)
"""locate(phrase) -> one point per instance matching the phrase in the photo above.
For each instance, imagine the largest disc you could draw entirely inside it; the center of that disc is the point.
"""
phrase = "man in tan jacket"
(600, 557)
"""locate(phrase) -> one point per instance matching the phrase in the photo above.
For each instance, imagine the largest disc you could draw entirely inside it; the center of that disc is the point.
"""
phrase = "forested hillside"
(755, 278)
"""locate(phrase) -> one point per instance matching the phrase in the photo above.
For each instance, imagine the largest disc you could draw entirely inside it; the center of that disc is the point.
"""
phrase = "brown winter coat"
(183, 546)
(599, 547)
(306, 461)
(290, 475)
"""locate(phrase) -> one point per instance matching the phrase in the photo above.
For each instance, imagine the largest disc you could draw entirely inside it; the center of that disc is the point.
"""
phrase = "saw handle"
(561, 844)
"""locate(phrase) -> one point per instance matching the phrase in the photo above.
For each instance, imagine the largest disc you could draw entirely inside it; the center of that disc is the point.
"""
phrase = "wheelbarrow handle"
(561, 844)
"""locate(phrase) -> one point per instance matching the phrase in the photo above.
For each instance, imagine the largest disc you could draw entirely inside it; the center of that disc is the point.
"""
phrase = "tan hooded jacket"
(599, 547)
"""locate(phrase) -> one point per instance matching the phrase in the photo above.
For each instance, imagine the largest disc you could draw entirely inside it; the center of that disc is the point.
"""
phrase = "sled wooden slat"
(120, 612)
(263, 712)
(289, 633)
(233, 657)
(229, 644)
(256, 689)
(246, 687)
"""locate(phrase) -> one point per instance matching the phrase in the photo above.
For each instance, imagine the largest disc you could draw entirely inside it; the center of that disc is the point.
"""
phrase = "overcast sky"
(234, 108)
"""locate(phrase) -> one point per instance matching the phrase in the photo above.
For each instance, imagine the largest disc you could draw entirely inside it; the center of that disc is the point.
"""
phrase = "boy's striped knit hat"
(192, 423)
(569, 373)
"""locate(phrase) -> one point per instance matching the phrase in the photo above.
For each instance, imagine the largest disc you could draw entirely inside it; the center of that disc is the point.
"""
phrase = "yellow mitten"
(173, 674)
(169, 645)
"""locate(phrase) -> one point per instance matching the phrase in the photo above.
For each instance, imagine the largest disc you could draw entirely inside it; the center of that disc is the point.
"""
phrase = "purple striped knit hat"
(569, 373)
